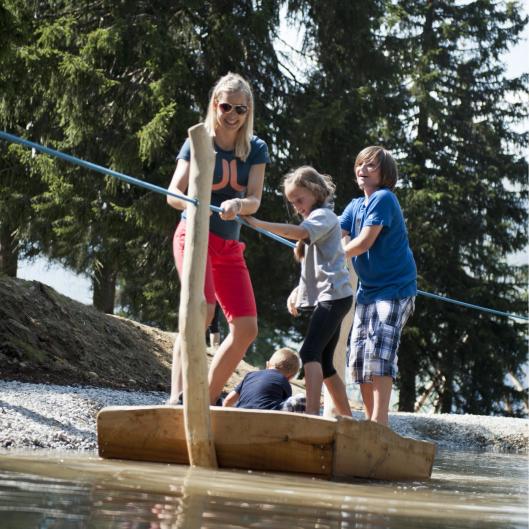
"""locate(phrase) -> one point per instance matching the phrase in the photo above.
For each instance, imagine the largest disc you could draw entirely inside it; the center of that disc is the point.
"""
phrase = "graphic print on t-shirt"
(229, 177)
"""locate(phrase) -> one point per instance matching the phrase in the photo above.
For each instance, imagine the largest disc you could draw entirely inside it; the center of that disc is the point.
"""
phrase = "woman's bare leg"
(243, 331)
(177, 384)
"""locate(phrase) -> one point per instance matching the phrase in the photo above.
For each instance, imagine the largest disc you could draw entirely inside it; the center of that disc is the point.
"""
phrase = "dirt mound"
(48, 338)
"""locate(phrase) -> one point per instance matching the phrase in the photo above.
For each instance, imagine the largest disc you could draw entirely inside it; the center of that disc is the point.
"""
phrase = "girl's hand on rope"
(291, 303)
(230, 209)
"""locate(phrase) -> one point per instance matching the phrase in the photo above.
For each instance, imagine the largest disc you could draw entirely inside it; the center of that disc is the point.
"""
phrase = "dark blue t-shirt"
(263, 390)
(387, 270)
(230, 179)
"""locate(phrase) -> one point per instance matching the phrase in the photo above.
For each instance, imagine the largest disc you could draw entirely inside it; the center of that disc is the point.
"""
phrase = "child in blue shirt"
(268, 389)
(387, 278)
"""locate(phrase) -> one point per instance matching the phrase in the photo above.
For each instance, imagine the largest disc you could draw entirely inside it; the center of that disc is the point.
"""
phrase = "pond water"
(50, 490)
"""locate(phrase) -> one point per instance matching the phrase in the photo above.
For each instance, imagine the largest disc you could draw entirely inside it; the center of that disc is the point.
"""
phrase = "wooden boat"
(198, 435)
(268, 441)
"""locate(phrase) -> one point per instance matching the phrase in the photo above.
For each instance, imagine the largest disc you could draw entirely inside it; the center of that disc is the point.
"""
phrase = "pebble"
(41, 416)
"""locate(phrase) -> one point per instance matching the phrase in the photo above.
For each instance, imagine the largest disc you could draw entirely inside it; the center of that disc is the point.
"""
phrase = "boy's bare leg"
(231, 351)
(382, 387)
(336, 388)
(366, 390)
(177, 384)
(313, 384)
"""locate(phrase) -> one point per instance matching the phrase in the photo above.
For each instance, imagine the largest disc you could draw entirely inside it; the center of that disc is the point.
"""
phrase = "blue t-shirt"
(263, 390)
(387, 270)
(230, 179)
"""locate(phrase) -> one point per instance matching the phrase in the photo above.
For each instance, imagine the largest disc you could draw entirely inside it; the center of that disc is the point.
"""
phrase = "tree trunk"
(8, 251)
(104, 285)
(447, 394)
(407, 374)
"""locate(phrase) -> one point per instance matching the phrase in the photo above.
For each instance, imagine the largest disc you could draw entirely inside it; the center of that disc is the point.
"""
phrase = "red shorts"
(227, 277)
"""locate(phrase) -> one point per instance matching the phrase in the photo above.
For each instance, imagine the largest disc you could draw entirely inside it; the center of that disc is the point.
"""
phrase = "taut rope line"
(157, 189)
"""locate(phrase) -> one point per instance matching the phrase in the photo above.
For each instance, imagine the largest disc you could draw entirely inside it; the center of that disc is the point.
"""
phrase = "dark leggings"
(323, 333)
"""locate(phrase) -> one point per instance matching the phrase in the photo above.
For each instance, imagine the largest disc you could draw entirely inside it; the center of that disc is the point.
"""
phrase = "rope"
(157, 189)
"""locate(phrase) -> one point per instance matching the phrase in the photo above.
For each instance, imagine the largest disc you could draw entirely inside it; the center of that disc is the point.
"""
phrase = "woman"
(237, 187)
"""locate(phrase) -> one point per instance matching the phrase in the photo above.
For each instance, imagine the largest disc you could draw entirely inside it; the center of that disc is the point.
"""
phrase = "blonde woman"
(238, 179)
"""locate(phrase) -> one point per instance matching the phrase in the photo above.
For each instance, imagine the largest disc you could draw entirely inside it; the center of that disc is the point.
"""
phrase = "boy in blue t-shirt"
(387, 279)
(268, 389)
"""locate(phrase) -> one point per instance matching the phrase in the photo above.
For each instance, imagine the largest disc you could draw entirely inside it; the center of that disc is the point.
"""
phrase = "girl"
(324, 282)
(387, 278)
(237, 186)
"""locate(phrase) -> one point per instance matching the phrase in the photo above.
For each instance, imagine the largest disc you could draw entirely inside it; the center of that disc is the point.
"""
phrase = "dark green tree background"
(119, 83)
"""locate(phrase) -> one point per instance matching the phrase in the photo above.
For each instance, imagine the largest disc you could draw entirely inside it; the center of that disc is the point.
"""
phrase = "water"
(41, 490)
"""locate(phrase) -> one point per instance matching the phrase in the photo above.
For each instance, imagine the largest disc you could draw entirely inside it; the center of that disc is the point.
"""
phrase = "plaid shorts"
(296, 403)
(375, 338)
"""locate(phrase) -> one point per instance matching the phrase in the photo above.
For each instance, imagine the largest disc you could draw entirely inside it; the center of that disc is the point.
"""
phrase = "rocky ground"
(62, 361)
(64, 417)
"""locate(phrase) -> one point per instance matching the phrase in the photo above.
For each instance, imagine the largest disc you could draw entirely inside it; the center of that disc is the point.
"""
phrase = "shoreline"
(52, 417)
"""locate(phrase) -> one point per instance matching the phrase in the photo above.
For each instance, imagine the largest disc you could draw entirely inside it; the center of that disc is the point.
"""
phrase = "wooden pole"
(192, 314)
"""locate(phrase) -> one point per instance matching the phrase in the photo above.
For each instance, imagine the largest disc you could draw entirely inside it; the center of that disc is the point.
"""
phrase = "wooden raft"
(269, 441)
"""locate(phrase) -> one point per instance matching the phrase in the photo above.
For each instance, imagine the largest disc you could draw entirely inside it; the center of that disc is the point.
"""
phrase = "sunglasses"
(226, 107)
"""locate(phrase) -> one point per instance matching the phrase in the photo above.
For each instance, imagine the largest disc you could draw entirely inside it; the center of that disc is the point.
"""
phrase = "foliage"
(119, 83)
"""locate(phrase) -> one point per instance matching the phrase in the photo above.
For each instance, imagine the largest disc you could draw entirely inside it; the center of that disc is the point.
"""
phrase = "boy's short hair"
(388, 166)
(285, 360)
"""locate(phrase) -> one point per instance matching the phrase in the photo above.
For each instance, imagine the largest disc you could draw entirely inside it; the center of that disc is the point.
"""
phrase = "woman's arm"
(290, 231)
(251, 202)
(363, 242)
(179, 184)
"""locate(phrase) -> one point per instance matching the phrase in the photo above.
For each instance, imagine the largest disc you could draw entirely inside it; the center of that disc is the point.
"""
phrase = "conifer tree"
(21, 109)
(465, 198)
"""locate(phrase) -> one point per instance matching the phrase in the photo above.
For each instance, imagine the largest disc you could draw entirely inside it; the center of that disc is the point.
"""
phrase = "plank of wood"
(369, 450)
(142, 433)
(249, 439)
(269, 441)
(273, 441)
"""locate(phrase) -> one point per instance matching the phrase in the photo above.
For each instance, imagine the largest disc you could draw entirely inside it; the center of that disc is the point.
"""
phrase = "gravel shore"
(38, 416)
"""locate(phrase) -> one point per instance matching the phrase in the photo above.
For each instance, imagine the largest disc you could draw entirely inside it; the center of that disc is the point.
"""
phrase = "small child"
(324, 282)
(387, 278)
(268, 389)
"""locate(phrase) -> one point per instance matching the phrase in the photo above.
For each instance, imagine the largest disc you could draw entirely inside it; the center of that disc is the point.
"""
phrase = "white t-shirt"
(324, 276)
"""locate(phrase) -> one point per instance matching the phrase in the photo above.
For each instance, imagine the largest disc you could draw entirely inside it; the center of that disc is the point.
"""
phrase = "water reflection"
(46, 491)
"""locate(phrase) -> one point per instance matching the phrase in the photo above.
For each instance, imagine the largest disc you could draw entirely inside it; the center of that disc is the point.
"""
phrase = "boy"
(387, 279)
(267, 389)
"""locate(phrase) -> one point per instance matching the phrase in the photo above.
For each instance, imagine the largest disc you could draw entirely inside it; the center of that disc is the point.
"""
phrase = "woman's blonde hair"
(382, 157)
(320, 185)
(231, 83)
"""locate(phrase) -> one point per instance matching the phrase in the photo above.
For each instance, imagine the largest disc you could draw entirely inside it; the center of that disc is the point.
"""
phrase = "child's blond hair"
(285, 360)
(320, 185)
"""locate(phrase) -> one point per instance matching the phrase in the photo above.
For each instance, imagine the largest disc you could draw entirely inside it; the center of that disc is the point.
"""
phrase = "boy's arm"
(363, 242)
(231, 399)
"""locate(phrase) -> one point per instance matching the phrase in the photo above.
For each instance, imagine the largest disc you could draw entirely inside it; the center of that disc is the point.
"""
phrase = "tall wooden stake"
(192, 314)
